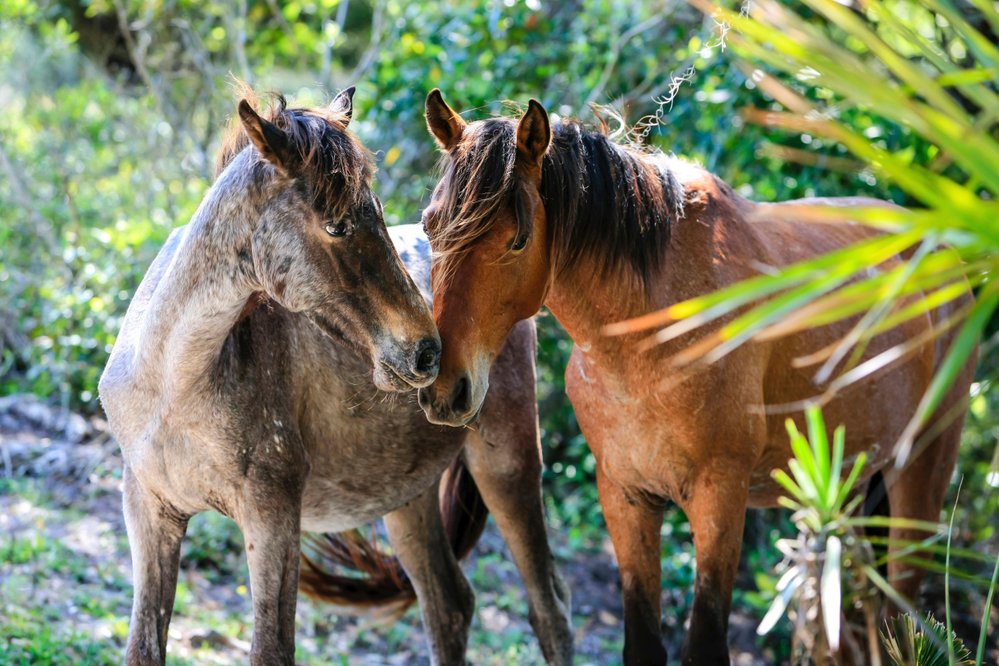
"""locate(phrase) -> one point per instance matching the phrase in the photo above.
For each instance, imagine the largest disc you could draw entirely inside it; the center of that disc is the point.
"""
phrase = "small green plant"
(828, 551)
(831, 565)
(912, 642)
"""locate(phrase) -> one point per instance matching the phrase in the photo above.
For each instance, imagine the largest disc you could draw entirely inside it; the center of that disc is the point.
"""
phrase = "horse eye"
(519, 243)
(338, 228)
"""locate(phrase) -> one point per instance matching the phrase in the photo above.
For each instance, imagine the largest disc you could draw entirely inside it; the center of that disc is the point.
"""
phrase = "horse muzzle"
(415, 367)
(456, 408)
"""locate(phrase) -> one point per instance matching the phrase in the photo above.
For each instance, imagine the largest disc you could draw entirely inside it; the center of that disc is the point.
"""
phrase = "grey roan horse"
(260, 372)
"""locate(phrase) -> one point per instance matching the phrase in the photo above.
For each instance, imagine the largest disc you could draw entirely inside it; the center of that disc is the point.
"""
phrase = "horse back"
(876, 408)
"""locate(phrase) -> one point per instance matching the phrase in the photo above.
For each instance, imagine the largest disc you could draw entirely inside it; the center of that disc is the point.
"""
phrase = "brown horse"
(527, 214)
(259, 372)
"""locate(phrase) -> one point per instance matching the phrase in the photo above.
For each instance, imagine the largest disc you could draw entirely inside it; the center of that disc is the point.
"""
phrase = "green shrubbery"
(103, 155)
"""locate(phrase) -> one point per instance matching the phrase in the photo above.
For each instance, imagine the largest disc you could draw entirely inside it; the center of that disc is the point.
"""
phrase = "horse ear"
(534, 134)
(343, 104)
(269, 139)
(442, 121)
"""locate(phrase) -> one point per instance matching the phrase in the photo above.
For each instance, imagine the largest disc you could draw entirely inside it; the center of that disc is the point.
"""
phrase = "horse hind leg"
(446, 599)
(917, 492)
(155, 531)
(876, 505)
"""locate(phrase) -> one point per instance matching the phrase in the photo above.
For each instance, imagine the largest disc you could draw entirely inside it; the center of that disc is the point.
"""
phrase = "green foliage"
(32, 614)
(30, 639)
(817, 490)
(922, 643)
(92, 189)
(829, 553)
(831, 565)
(213, 545)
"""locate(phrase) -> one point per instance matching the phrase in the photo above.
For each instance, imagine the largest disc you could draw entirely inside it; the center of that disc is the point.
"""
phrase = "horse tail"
(346, 569)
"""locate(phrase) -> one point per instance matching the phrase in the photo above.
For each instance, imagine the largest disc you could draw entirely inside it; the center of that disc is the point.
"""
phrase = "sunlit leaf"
(831, 591)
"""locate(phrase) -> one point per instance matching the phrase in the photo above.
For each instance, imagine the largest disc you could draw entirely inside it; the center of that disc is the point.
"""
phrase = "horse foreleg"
(507, 471)
(716, 508)
(271, 530)
(634, 526)
(446, 600)
(155, 531)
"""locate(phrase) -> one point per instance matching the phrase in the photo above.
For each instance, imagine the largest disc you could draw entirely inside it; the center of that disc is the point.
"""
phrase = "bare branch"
(619, 43)
(137, 55)
(368, 58)
(236, 26)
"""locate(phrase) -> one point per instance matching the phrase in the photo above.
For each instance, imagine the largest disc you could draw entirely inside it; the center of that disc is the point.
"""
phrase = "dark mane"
(334, 162)
(611, 203)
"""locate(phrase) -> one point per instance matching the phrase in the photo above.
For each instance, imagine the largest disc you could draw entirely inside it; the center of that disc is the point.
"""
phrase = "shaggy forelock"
(476, 183)
(334, 163)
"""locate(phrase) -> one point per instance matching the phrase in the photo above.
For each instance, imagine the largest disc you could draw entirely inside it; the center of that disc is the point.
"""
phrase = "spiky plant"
(909, 642)
(826, 567)
(830, 587)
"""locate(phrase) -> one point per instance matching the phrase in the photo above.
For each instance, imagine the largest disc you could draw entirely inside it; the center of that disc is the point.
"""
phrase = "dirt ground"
(65, 575)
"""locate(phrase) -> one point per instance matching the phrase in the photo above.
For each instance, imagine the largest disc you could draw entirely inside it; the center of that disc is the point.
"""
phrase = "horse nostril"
(428, 356)
(461, 399)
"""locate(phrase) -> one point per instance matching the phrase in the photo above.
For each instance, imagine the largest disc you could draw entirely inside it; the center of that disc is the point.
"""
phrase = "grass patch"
(30, 638)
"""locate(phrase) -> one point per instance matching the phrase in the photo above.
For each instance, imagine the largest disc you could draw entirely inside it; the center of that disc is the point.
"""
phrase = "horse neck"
(584, 301)
(206, 285)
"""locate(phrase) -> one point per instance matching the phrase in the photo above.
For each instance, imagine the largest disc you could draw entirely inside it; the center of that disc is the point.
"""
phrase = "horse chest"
(366, 465)
(629, 436)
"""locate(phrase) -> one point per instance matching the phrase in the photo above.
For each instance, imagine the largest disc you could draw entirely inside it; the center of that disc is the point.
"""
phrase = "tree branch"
(368, 58)
(615, 55)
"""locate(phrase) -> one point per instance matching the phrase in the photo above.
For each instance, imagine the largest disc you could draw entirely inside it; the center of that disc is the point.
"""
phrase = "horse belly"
(329, 507)
(873, 411)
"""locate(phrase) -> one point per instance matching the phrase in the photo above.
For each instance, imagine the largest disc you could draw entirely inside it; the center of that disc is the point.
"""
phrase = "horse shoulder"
(713, 245)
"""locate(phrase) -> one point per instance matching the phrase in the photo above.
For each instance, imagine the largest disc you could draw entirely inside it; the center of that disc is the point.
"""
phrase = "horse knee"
(269, 656)
(144, 653)
(501, 464)
(464, 602)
